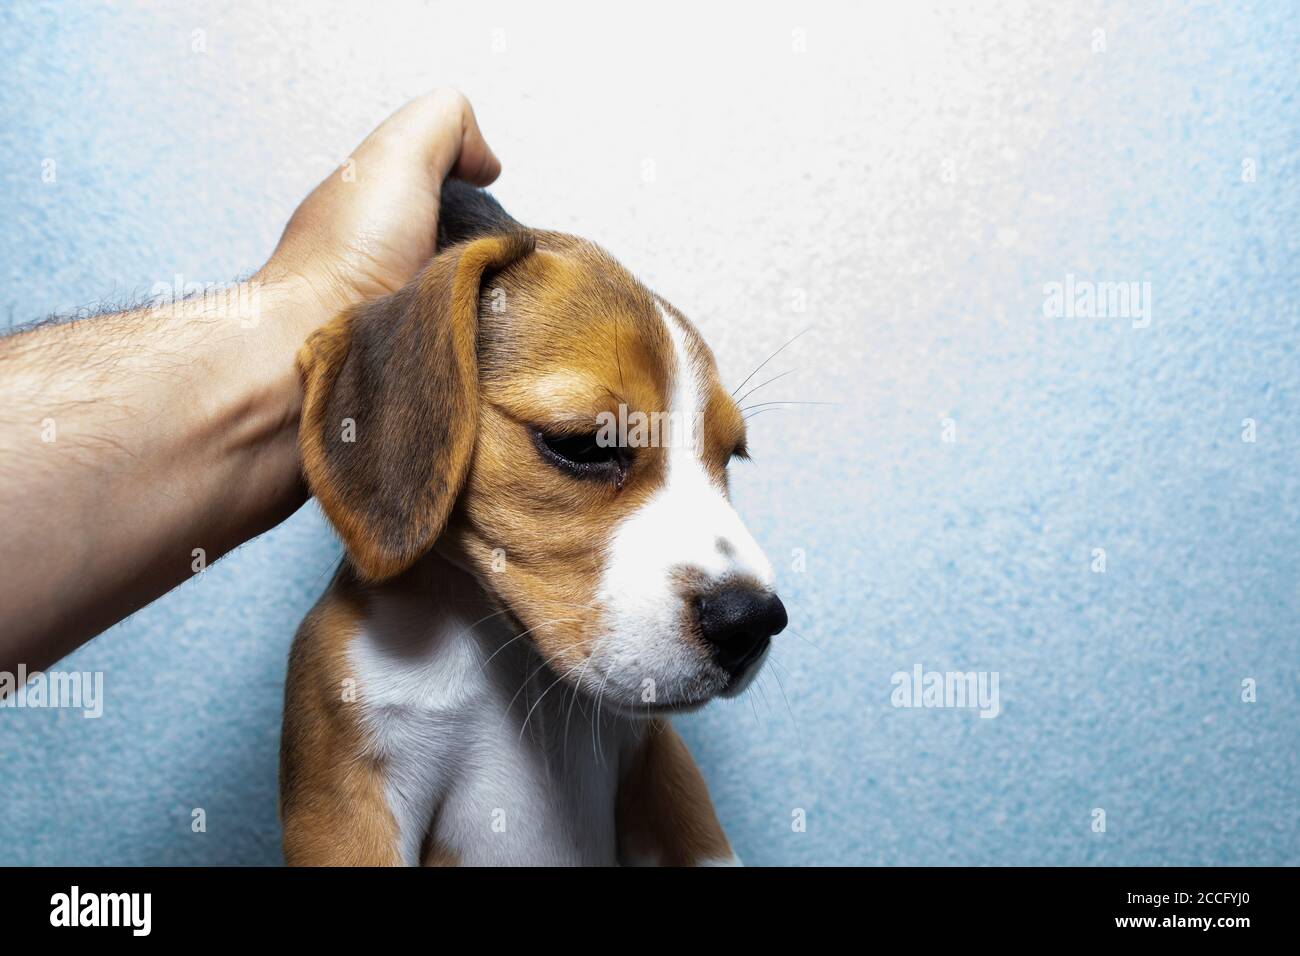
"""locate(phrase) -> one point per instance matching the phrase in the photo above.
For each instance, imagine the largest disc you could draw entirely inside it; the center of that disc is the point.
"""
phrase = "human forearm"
(130, 441)
(134, 446)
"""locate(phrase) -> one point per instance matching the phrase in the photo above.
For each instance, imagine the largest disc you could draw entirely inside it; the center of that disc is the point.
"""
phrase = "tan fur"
(579, 336)
(435, 854)
(496, 336)
(383, 367)
(724, 425)
(332, 805)
(665, 816)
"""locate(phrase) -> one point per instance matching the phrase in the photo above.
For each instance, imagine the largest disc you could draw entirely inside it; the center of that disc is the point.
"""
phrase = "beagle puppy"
(525, 454)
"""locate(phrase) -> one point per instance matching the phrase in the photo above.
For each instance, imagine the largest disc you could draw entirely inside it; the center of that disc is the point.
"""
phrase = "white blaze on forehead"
(713, 538)
(687, 524)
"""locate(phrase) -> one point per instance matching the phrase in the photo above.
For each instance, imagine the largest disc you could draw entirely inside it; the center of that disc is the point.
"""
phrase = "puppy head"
(541, 418)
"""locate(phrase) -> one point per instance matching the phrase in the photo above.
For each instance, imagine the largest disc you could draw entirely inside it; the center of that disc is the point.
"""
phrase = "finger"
(476, 163)
(439, 130)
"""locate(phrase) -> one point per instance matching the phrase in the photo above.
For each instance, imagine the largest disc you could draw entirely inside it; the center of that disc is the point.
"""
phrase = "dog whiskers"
(596, 715)
(782, 403)
(558, 620)
(577, 686)
(794, 720)
(764, 384)
(816, 647)
(768, 359)
(758, 687)
(528, 679)
(544, 693)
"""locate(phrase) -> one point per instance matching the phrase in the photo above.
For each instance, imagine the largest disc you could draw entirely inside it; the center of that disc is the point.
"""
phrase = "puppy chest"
(527, 813)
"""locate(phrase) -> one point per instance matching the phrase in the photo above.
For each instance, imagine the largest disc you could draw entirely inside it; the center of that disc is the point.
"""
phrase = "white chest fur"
(482, 748)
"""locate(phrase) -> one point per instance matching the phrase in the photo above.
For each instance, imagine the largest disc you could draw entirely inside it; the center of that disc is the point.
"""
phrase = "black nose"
(738, 623)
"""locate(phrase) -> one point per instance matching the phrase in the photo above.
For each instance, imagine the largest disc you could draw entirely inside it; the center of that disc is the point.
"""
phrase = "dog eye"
(582, 456)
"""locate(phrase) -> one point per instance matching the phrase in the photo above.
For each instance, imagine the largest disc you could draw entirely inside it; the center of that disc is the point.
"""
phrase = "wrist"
(298, 299)
(257, 397)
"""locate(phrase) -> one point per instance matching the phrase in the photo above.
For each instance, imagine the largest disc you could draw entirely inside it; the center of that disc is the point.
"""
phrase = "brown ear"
(390, 407)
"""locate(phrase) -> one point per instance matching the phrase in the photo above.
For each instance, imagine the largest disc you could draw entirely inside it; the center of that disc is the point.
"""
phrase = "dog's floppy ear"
(390, 407)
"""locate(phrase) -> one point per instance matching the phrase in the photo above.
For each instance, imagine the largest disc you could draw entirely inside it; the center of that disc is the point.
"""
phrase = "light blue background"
(914, 179)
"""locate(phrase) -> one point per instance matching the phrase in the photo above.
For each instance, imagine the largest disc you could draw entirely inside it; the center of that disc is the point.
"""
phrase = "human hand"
(371, 225)
(184, 421)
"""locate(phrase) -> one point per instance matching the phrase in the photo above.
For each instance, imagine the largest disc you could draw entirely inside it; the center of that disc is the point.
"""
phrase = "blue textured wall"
(913, 180)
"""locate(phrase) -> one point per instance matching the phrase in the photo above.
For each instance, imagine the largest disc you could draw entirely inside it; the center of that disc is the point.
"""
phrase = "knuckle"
(449, 99)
